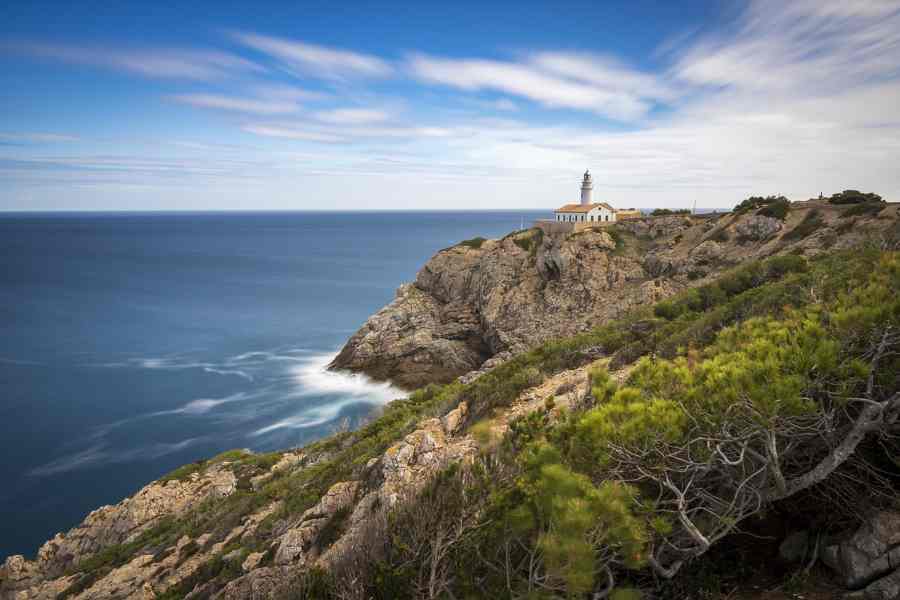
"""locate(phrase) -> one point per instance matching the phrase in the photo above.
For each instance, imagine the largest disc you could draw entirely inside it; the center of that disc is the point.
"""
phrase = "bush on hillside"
(475, 242)
(854, 197)
(863, 209)
(778, 209)
(754, 202)
(530, 242)
(810, 223)
(663, 212)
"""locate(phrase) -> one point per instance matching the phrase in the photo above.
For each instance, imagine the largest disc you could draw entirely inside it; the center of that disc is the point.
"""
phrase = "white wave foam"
(204, 405)
(100, 455)
(15, 361)
(314, 379)
(236, 372)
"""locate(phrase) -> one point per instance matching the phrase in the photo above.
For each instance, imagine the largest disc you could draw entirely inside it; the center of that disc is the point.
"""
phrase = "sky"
(454, 105)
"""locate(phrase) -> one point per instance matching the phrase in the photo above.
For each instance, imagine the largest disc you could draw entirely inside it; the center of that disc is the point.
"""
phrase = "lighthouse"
(587, 188)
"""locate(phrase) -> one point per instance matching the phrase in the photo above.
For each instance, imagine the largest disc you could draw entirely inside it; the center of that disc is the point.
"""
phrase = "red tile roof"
(583, 208)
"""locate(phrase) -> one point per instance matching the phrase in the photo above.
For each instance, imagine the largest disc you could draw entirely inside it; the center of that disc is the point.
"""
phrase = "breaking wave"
(312, 378)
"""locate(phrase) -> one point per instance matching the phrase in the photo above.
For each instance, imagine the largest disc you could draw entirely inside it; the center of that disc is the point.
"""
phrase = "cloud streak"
(554, 80)
(165, 63)
(321, 61)
(231, 103)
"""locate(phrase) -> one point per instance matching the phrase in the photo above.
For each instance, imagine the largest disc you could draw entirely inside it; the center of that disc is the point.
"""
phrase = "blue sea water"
(131, 344)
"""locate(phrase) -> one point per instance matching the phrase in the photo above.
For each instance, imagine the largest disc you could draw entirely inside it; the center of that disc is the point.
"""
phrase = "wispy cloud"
(292, 132)
(321, 61)
(353, 116)
(231, 103)
(807, 47)
(171, 63)
(36, 138)
(554, 80)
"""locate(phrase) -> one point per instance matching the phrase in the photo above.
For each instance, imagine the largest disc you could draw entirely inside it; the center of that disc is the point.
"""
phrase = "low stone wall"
(549, 226)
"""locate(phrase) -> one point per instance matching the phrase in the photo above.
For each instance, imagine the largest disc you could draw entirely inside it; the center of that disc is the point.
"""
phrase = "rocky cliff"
(476, 303)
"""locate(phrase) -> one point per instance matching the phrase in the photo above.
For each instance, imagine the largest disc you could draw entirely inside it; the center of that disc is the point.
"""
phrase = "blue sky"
(339, 105)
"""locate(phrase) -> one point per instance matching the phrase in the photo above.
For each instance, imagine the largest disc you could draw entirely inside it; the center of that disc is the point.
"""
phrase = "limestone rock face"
(295, 545)
(869, 561)
(259, 584)
(758, 227)
(468, 305)
(107, 526)
(121, 523)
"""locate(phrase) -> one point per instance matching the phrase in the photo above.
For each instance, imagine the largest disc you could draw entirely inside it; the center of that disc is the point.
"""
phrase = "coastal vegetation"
(664, 212)
(811, 223)
(473, 243)
(854, 197)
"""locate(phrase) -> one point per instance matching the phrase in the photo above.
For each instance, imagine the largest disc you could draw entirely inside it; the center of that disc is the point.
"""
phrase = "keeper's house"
(597, 212)
(586, 214)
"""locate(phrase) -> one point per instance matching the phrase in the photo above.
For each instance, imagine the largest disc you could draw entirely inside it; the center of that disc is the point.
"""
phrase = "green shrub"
(863, 209)
(184, 472)
(530, 242)
(668, 310)
(720, 235)
(754, 202)
(777, 209)
(810, 223)
(475, 242)
(618, 239)
(854, 197)
(663, 212)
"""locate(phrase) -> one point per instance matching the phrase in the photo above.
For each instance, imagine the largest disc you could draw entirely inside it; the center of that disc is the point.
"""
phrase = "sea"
(133, 343)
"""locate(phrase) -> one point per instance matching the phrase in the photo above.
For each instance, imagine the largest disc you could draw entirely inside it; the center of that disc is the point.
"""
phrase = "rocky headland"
(481, 301)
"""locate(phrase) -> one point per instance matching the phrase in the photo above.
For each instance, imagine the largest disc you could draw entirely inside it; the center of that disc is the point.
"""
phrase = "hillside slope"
(485, 300)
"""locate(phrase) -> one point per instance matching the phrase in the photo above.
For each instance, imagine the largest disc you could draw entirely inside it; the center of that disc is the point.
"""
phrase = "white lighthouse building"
(587, 211)
(587, 189)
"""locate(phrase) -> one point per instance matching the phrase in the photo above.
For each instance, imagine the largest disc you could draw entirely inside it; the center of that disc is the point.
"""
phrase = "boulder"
(258, 584)
(658, 266)
(453, 419)
(758, 228)
(794, 547)
(870, 555)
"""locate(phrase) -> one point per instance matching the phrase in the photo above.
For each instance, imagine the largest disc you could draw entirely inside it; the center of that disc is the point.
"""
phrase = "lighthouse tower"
(587, 188)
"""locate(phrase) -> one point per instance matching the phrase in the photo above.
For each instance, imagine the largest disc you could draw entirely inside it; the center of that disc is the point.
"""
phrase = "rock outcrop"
(869, 560)
(111, 525)
(469, 304)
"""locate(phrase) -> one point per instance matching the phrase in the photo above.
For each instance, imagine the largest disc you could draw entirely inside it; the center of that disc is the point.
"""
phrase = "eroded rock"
(758, 227)
(869, 556)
